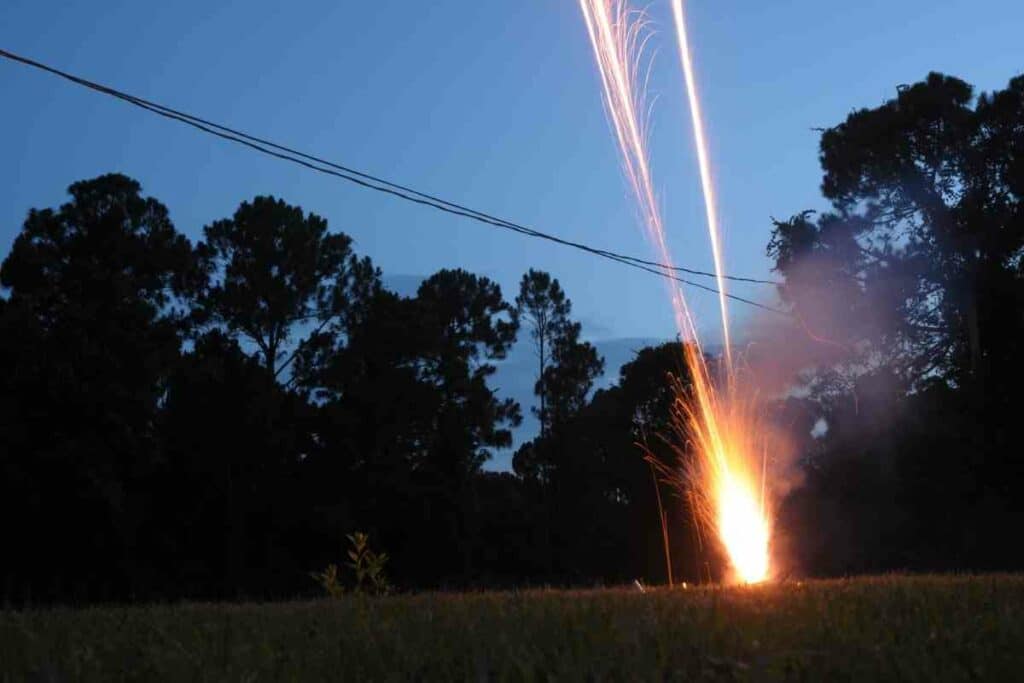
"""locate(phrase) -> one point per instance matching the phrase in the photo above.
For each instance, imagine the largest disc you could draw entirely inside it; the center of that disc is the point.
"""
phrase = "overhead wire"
(372, 182)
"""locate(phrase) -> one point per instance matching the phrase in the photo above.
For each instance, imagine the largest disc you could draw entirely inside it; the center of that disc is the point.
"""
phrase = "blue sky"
(494, 104)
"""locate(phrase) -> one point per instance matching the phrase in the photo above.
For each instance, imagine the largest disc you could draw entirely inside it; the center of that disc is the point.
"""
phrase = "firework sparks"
(704, 164)
(722, 426)
(618, 37)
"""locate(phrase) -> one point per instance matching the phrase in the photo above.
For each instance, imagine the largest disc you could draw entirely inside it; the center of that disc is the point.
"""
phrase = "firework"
(722, 469)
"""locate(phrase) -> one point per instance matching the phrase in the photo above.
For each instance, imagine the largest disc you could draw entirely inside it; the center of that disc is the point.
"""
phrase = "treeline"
(210, 419)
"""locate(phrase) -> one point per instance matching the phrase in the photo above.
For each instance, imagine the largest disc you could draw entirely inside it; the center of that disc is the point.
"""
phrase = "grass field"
(890, 628)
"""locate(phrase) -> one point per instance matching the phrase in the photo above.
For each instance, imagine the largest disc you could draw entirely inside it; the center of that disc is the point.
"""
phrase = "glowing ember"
(722, 426)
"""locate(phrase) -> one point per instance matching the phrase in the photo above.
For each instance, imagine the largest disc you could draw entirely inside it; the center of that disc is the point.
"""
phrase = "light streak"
(721, 426)
(704, 164)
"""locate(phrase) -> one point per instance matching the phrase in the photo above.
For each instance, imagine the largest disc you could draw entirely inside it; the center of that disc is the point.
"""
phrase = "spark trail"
(704, 163)
(721, 426)
(618, 40)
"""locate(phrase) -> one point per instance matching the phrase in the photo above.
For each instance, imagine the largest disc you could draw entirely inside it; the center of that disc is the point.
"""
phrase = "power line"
(381, 185)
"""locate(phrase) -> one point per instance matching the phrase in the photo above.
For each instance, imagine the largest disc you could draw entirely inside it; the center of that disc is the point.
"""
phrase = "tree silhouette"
(544, 306)
(462, 323)
(92, 328)
(916, 270)
(926, 230)
(571, 377)
(600, 504)
(224, 499)
(274, 271)
(567, 368)
(374, 422)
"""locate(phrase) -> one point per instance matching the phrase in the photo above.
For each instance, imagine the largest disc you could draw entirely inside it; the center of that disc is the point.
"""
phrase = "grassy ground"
(891, 628)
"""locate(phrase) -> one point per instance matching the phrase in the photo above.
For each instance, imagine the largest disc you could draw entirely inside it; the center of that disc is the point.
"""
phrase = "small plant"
(329, 581)
(366, 565)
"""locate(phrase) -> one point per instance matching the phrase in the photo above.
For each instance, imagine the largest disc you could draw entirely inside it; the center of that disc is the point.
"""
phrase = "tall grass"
(928, 628)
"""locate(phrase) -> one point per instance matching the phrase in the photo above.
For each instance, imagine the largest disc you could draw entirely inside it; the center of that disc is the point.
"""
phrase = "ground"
(898, 628)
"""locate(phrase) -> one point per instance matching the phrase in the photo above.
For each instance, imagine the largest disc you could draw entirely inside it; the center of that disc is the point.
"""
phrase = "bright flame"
(726, 435)
(743, 530)
(721, 426)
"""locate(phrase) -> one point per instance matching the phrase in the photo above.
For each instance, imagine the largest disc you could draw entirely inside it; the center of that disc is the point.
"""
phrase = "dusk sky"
(493, 104)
